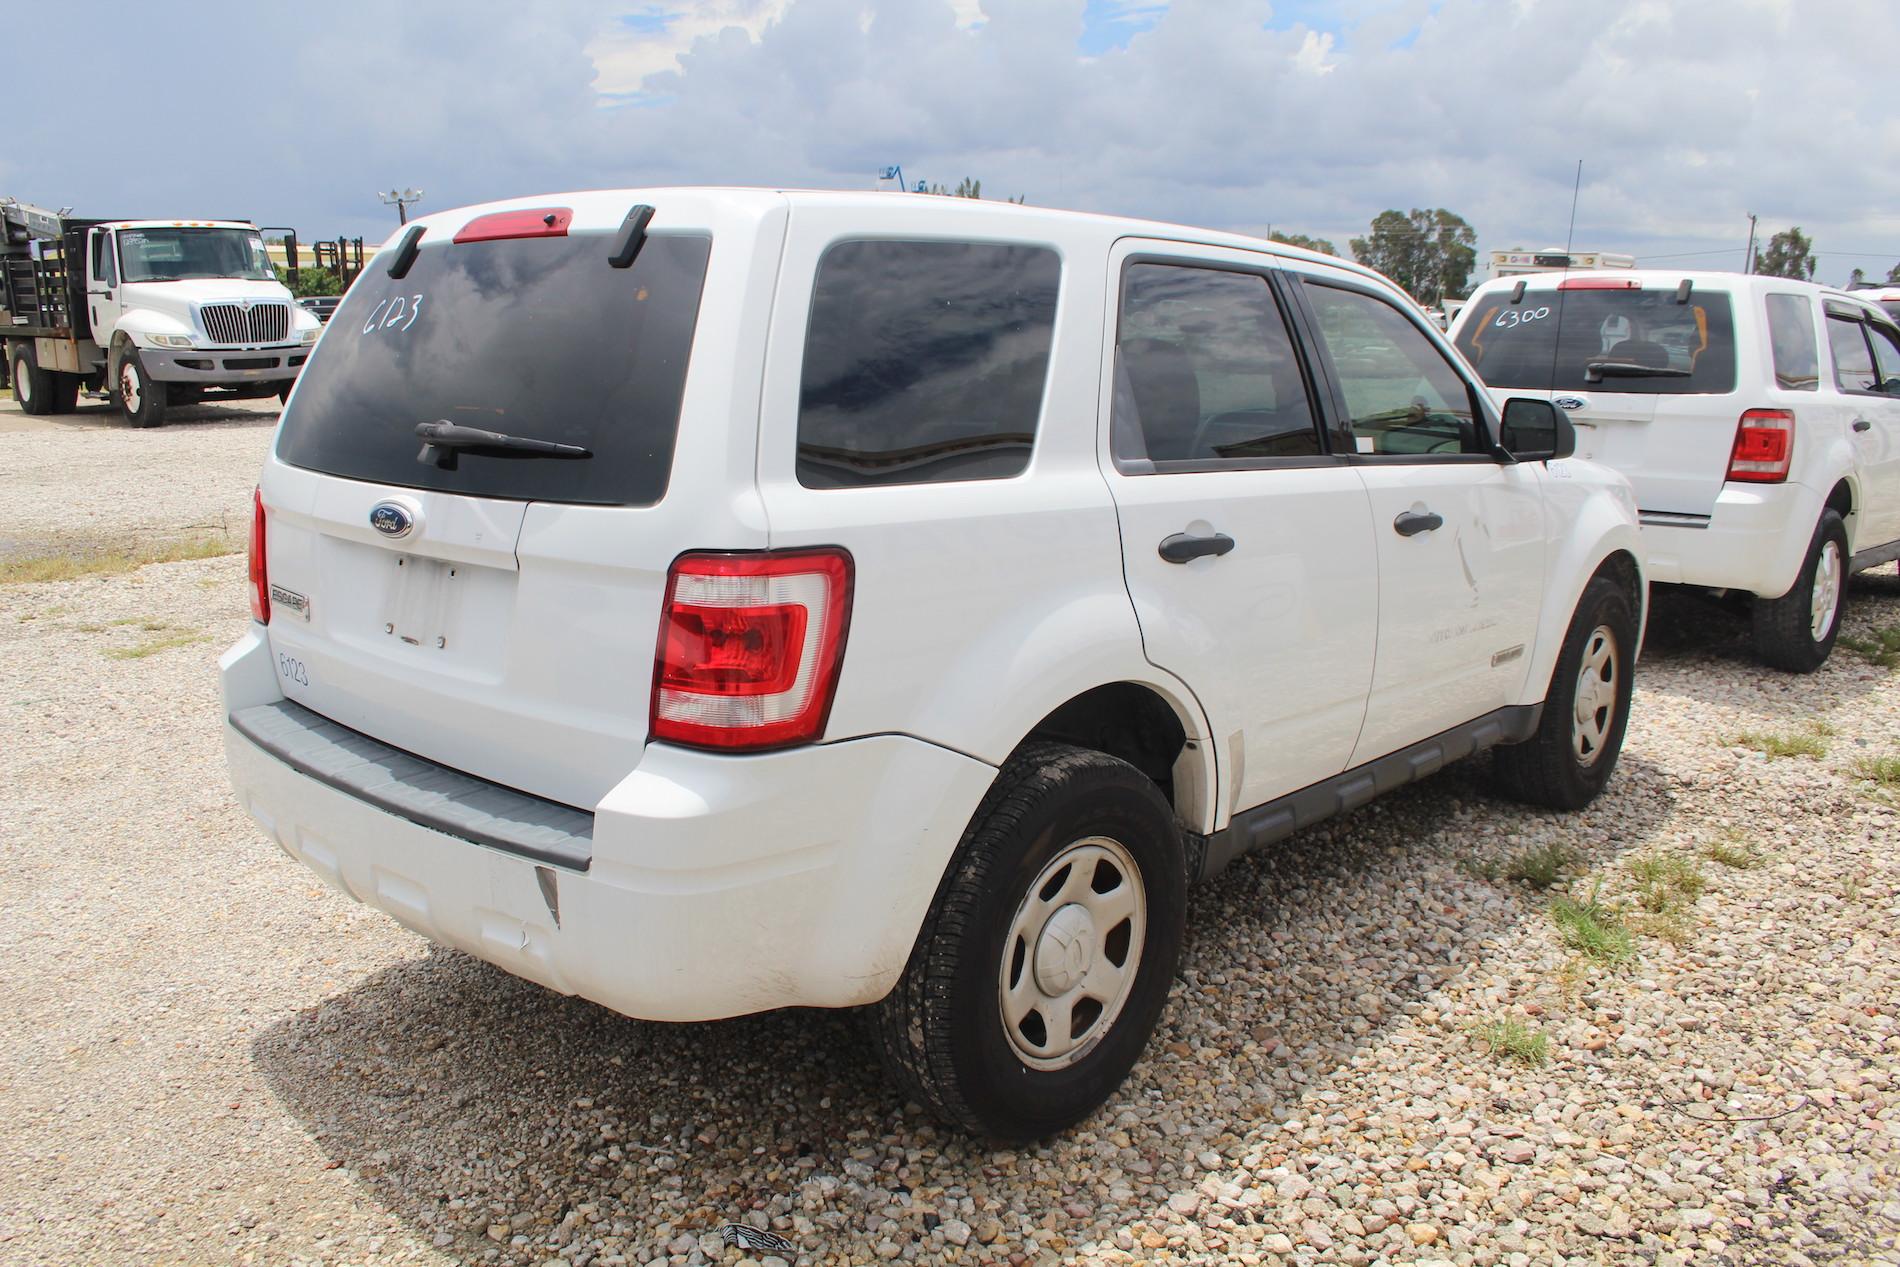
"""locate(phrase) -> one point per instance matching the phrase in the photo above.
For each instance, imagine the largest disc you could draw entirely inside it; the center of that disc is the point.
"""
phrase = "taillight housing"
(749, 648)
(260, 575)
(1764, 447)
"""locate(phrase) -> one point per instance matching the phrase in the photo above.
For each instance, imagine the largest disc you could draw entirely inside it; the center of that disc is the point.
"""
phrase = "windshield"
(536, 338)
(1611, 341)
(176, 255)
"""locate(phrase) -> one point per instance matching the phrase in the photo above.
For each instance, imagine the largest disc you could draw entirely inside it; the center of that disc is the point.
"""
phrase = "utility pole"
(1748, 256)
(401, 198)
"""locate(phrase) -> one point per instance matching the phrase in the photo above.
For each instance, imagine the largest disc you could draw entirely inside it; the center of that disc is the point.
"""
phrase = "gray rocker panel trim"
(419, 790)
(1264, 824)
(1874, 556)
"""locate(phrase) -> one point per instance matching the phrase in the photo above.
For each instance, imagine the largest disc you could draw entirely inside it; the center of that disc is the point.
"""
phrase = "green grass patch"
(1800, 743)
(1593, 929)
(1666, 881)
(1512, 1039)
(74, 565)
(1881, 648)
(1731, 849)
(1882, 770)
(181, 638)
(1540, 866)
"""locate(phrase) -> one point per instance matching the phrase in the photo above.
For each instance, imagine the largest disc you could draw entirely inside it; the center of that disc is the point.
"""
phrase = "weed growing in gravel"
(1771, 743)
(180, 638)
(1593, 928)
(1512, 1039)
(1883, 648)
(73, 565)
(1540, 866)
(1732, 849)
(1882, 770)
(1666, 881)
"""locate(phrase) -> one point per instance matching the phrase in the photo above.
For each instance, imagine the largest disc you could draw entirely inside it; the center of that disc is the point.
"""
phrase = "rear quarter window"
(1622, 340)
(924, 362)
(1791, 336)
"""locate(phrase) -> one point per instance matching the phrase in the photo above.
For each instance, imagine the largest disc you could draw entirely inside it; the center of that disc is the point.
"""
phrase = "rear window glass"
(924, 362)
(1637, 341)
(1791, 335)
(534, 337)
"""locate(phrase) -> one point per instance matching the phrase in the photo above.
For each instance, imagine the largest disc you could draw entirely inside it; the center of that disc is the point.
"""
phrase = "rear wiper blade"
(443, 442)
(1597, 371)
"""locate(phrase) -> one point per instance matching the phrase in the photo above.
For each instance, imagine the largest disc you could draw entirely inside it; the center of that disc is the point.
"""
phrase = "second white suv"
(1758, 418)
(707, 601)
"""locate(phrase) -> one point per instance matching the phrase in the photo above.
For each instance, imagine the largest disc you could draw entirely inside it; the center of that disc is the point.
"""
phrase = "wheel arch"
(1601, 538)
(1159, 731)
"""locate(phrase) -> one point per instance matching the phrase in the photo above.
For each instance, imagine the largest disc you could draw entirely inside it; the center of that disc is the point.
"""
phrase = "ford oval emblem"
(390, 519)
(1568, 403)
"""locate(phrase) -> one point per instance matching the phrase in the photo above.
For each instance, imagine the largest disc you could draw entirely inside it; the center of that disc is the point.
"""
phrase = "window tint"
(1622, 340)
(1853, 364)
(925, 362)
(1791, 332)
(103, 269)
(1205, 370)
(1886, 343)
(535, 337)
(1402, 395)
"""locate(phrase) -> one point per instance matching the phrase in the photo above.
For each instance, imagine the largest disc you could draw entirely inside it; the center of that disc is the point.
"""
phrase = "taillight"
(1599, 283)
(1764, 447)
(749, 648)
(260, 578)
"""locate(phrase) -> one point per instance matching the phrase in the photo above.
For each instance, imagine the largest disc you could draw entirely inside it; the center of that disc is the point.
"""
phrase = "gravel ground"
(209, 1057)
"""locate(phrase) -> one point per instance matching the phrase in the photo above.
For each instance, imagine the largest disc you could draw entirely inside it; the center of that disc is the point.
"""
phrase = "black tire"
(942, 1031)
(32, 386)
(1567, 762)
(142, 400)
(1784, 627)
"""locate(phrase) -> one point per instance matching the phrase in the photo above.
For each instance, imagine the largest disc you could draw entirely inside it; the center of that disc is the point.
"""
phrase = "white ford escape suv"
(707, 601)
(1762, 463)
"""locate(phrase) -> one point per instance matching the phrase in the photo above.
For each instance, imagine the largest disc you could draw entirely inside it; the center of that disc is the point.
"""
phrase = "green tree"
(1790, 253)
(1430, 253)
(968, 188)
(1321, 245)
(1893, 274)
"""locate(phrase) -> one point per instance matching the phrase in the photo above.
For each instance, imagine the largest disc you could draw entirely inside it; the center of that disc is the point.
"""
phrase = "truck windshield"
(179, 254)
(1611, 340)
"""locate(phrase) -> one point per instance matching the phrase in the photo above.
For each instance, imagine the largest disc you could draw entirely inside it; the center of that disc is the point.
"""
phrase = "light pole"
(1748, 256)
(401, 198)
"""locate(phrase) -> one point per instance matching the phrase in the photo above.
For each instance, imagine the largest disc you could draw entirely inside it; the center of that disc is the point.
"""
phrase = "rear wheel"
(1046, 959)
(32, 386)
(142, 399)
(1796, 632)
(1567, 762)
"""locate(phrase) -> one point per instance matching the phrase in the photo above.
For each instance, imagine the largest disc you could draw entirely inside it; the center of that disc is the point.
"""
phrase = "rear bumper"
(224, 366)
(717, 885)
(1755, 541)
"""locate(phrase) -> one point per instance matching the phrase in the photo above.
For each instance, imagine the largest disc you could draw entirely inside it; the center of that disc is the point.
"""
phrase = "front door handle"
(1861, 424)
(1180, 547)
(1410, 522)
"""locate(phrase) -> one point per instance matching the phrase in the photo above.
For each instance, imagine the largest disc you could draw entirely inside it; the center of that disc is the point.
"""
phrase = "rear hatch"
(492, 610)
(1648, 375)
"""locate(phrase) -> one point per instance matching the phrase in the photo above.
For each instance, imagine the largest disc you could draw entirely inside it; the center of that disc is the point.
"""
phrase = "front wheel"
(1045, 960)
(1570, 757)
(142, 399)
(1796, 632)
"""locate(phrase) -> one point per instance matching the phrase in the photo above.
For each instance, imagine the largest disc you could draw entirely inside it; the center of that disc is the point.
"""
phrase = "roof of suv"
(927, 206)
(1711, 279)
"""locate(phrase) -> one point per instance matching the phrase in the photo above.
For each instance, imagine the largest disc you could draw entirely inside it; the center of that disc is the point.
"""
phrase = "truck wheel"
(1796, 632)
(1567, 762)
(142, 399)
(1046, 957)
(32, 386)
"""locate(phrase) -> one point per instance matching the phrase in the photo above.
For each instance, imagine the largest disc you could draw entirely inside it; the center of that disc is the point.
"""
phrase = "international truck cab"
(154, 313)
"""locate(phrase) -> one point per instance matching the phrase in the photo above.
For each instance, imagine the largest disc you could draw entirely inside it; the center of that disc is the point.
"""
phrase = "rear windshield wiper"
(443, 442)
(1597, 371)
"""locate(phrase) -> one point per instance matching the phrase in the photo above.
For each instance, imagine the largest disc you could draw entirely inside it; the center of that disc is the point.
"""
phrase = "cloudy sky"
(1305, 115)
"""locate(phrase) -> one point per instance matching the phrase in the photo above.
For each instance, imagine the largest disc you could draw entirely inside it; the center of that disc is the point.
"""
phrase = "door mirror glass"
(1536, 430)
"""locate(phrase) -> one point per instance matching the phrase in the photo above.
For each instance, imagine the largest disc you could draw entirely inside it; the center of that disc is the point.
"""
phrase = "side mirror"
(1536, 430)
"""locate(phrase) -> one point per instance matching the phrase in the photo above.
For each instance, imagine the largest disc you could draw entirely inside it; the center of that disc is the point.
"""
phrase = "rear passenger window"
(924, 362)
(1853, 363)
(1205, 370)
(1402, 395)
(1886, 343)
(1791, 332)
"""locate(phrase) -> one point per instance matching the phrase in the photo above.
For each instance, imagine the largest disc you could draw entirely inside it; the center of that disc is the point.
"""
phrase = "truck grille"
(264, 323)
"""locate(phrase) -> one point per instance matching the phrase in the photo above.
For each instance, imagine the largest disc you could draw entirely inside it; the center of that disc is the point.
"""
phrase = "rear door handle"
(1861, 424)
(1410, 522)
(1180, 547)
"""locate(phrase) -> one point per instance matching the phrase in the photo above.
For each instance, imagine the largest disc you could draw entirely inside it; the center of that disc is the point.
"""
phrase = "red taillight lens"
(538, 222)
(260, 577)
(750, 646)
(1599, 283)
(1764, 447)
